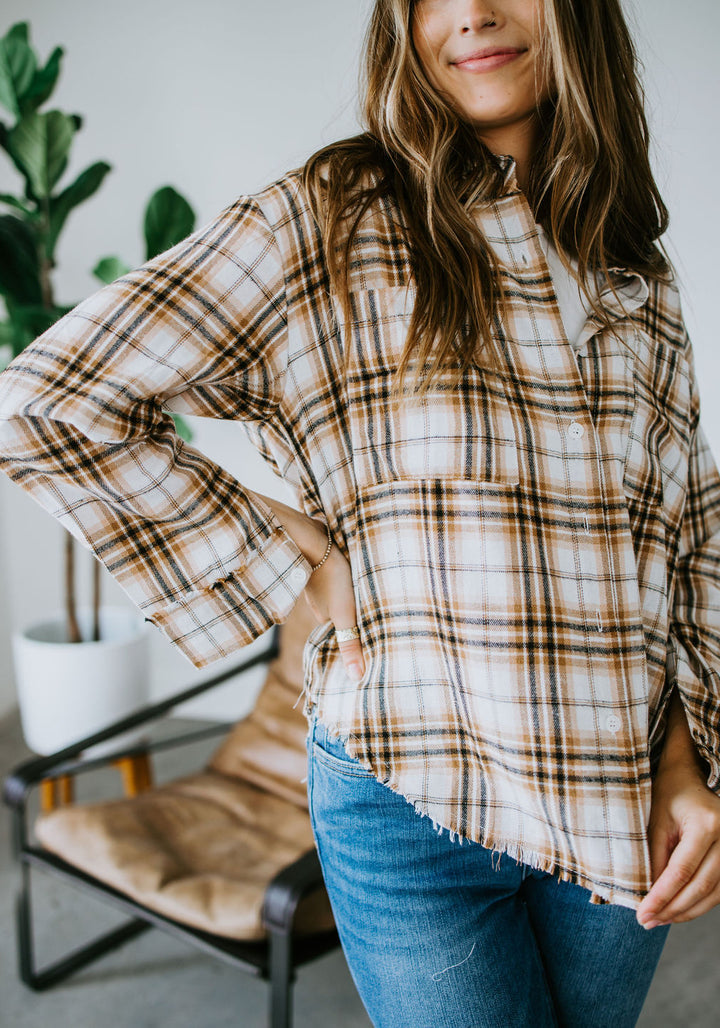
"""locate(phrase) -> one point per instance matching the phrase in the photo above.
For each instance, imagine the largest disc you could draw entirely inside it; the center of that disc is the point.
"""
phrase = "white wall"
(219, 99)
(678, 46)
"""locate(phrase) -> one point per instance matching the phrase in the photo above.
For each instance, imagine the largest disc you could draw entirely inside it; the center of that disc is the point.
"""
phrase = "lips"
(489, 51)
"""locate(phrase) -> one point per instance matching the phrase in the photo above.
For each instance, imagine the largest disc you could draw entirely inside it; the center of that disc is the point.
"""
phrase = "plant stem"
(48, 302)
(73, 629)
(96, 600)
(46, 265)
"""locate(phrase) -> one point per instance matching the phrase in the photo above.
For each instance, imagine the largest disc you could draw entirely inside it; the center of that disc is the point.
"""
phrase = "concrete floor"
(158, 982)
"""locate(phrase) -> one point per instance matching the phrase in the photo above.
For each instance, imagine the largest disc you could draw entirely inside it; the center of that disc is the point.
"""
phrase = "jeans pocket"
(329, 750)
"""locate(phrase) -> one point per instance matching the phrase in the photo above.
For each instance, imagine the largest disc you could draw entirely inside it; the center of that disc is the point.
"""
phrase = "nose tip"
(478, 19)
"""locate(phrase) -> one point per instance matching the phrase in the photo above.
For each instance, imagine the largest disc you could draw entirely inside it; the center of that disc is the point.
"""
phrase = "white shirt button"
(298, 575)
(613, 723)
(576, 430)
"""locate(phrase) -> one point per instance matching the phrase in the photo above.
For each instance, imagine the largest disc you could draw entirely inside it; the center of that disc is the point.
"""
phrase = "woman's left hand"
(684, 840)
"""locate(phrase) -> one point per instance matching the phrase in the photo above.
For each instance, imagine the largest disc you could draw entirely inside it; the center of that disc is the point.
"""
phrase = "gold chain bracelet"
(326, 554)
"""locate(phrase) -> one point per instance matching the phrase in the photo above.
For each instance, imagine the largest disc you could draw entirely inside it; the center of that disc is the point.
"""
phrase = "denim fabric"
(439, 932)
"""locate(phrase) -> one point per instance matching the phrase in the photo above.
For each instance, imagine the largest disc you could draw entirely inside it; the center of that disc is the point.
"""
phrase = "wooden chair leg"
(55, 792)
(47, 795)
(136, 773)
(66, 788)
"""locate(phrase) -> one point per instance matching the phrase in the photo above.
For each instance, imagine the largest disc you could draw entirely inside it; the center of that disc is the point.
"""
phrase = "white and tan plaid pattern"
(531, 551)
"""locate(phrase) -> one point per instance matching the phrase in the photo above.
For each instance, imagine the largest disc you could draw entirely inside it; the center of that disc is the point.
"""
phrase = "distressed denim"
(441, 932)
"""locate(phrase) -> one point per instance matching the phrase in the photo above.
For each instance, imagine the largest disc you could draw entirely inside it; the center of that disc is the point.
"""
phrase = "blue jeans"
(440, 933)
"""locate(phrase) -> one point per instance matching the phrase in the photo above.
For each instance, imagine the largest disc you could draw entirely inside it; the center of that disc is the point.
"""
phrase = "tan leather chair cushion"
(200, 850)
(268, 746)
(203, 849)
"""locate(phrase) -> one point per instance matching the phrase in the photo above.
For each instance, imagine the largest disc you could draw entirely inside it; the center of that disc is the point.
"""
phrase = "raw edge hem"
(599, 894)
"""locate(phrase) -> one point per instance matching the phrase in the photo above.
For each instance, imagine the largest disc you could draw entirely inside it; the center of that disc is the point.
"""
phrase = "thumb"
(352, 658)
(663, 837)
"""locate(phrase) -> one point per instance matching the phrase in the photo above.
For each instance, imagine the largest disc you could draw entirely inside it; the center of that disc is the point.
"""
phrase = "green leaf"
(7, 339)
(43, 82)
(169, 218)
(110, 268)
(34, 317)
(181, 427)
(13, 201)
(20, 32)
(19, 266)
(30, 321)
(17, 67)
(16, 337)
(85, 185)
(39, 144)
(20, 337)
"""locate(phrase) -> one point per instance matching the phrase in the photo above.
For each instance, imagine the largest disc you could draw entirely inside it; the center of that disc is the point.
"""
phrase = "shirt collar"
(508, 166)
(631, 287)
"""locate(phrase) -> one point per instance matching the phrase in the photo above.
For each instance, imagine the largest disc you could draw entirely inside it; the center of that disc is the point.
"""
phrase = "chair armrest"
(287, 888)
(81, 766)
(30, 772)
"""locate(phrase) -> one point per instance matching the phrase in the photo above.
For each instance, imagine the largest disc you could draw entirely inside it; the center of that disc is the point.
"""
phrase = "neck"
(517, 141)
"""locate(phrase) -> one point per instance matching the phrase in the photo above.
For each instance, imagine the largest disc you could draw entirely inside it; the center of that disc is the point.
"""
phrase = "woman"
(510, 526)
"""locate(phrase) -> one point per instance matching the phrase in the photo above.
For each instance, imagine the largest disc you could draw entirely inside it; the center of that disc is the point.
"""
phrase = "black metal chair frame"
(274, 959)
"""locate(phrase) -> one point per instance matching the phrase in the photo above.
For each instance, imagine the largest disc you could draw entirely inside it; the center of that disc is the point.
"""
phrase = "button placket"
(576, 431)
(578, 442)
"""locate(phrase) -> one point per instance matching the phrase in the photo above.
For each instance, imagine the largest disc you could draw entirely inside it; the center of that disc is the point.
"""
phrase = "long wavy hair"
(590, 185)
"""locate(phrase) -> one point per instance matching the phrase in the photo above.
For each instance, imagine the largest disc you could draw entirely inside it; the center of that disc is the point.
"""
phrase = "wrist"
(310, 536)
(328, 546)
(679, 751)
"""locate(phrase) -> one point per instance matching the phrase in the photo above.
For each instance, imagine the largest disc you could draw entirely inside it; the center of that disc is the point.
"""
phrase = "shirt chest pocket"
(456, 430)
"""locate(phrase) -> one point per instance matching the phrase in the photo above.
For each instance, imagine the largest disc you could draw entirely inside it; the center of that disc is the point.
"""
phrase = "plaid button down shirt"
(536, 554)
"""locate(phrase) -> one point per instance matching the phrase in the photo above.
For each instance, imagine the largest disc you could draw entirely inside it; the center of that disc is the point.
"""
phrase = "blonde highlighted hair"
(590, 184)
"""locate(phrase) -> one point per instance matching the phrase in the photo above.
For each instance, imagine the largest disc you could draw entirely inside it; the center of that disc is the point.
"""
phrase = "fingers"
(700, 893)
(352, 657)
(343, 612)
(679, 884)
(703, 892)
(663, 837)
(350, 651)
(331, 595)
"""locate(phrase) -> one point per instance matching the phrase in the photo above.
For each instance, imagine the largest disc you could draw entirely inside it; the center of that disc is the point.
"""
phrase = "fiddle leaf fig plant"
(38, 145)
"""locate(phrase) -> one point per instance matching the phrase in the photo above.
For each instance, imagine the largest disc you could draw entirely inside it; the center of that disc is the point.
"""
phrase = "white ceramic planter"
(69, 690)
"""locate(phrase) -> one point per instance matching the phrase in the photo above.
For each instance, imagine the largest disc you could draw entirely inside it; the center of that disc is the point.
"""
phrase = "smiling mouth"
(487, 61)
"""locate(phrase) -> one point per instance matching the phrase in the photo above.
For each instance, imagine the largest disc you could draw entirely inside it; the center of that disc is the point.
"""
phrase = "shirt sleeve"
(694, 644)
(85, 430)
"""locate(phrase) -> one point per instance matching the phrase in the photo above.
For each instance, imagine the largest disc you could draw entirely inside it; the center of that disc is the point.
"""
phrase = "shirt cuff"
(235, 610)
(692, 693)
